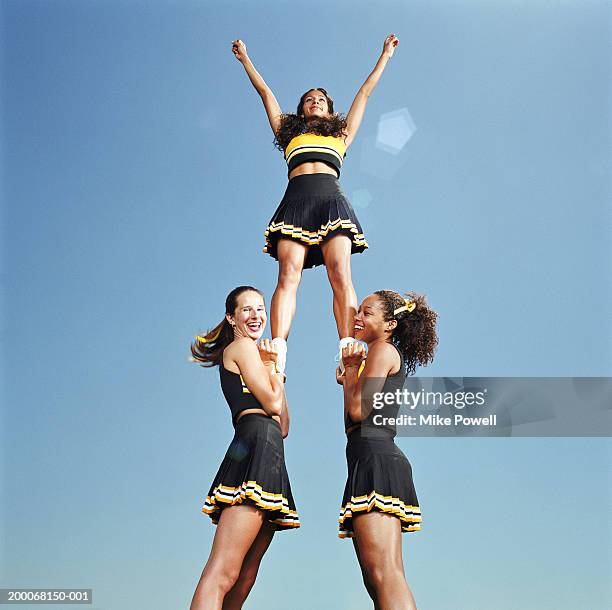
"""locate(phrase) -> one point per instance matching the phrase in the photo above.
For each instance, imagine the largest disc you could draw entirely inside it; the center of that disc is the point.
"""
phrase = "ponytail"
(208, 349)
(415, 334)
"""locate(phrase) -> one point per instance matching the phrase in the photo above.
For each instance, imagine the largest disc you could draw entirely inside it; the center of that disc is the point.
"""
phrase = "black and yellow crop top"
(368, 426)
(238, 396)
(313, 147)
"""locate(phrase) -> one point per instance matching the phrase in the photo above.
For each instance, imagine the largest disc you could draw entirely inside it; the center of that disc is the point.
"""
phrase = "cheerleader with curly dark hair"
(250, 497)
(315, 223)
(380, 501)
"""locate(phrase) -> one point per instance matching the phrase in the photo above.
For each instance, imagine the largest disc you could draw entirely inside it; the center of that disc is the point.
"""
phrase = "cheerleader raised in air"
(250, 497)
(380, 501)
(315, 223)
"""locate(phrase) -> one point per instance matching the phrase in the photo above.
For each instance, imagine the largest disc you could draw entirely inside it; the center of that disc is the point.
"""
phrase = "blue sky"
(138, 175)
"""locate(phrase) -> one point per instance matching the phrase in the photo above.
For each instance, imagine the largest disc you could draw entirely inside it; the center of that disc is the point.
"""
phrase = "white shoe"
(344, 342)
(281, 348)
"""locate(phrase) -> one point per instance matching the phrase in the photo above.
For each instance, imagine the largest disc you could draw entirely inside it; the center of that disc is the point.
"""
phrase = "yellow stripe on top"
(313, 147)
(245, 390)
(361, 367)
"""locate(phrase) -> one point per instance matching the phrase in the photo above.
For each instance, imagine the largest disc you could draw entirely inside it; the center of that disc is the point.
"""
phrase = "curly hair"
(208, 350)
(415, 334)
(295, 124)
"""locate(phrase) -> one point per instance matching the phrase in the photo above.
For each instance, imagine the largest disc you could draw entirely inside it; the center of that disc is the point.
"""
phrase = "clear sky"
(138, 176)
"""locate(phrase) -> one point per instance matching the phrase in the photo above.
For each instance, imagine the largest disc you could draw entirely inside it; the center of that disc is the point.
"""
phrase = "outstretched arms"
(355, 113)
(272, 107)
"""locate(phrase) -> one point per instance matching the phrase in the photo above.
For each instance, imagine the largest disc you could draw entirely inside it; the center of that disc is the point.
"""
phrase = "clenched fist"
(239, 50)
(389, 45)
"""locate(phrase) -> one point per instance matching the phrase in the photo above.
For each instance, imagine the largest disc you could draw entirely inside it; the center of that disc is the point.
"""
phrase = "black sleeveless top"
(238, 396)
(392, 383)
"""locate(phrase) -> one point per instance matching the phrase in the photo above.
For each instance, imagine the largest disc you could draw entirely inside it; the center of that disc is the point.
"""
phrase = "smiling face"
(249, 319)
(315, 105)
(370, 323)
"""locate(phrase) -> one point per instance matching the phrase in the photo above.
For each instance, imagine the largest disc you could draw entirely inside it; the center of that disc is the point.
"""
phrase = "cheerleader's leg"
(337, 257)
(379, 540)
(238, 528)
(291, 256)
(368, 585)
(250, 566)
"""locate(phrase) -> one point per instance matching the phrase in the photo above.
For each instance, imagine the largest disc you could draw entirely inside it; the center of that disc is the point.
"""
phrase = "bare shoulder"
(385, 356)
(381, 349)
(239, 350)
(243, 345)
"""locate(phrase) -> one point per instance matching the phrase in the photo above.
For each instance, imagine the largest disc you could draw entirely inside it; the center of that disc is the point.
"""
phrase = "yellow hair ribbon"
(208, 339)
(409, 307)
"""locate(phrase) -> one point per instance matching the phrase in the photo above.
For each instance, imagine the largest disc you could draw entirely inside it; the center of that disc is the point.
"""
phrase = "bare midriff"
(312, 167)
(259, 412)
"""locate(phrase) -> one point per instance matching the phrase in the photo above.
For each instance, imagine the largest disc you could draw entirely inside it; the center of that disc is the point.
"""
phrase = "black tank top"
(238, 396)
(393, 383)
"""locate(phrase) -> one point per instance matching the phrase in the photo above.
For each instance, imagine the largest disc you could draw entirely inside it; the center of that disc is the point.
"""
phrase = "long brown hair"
(208, 349)
(295, 124)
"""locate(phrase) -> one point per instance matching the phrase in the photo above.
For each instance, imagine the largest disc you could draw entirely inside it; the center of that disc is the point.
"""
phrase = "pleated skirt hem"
(313, 209)
(410, 516)
(276, 506)
(379, 480)
(253, 472)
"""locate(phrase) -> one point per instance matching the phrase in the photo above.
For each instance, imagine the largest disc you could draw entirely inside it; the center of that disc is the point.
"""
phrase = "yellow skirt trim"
(410, 516)
(313, 238)
(251, 490)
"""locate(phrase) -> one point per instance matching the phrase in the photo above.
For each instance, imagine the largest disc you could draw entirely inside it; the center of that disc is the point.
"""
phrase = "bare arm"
(259, 377)
(357, 109)
(358, 396)
(272, 107)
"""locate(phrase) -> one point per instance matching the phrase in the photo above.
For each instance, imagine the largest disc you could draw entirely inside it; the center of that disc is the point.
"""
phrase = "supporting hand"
(267, 353)
(353, 355)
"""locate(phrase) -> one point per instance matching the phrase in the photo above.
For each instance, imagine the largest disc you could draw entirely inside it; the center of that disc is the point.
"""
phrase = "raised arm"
(355, 113)
(269, 100)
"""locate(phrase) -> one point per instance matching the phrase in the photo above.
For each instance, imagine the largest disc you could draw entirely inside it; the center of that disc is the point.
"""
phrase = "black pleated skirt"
(379, 479)
(253, 471)
(314, 208)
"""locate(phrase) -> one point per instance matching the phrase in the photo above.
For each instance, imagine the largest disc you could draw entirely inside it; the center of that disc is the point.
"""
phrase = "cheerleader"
(380, 501)
(250, 497)
(314, 224)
